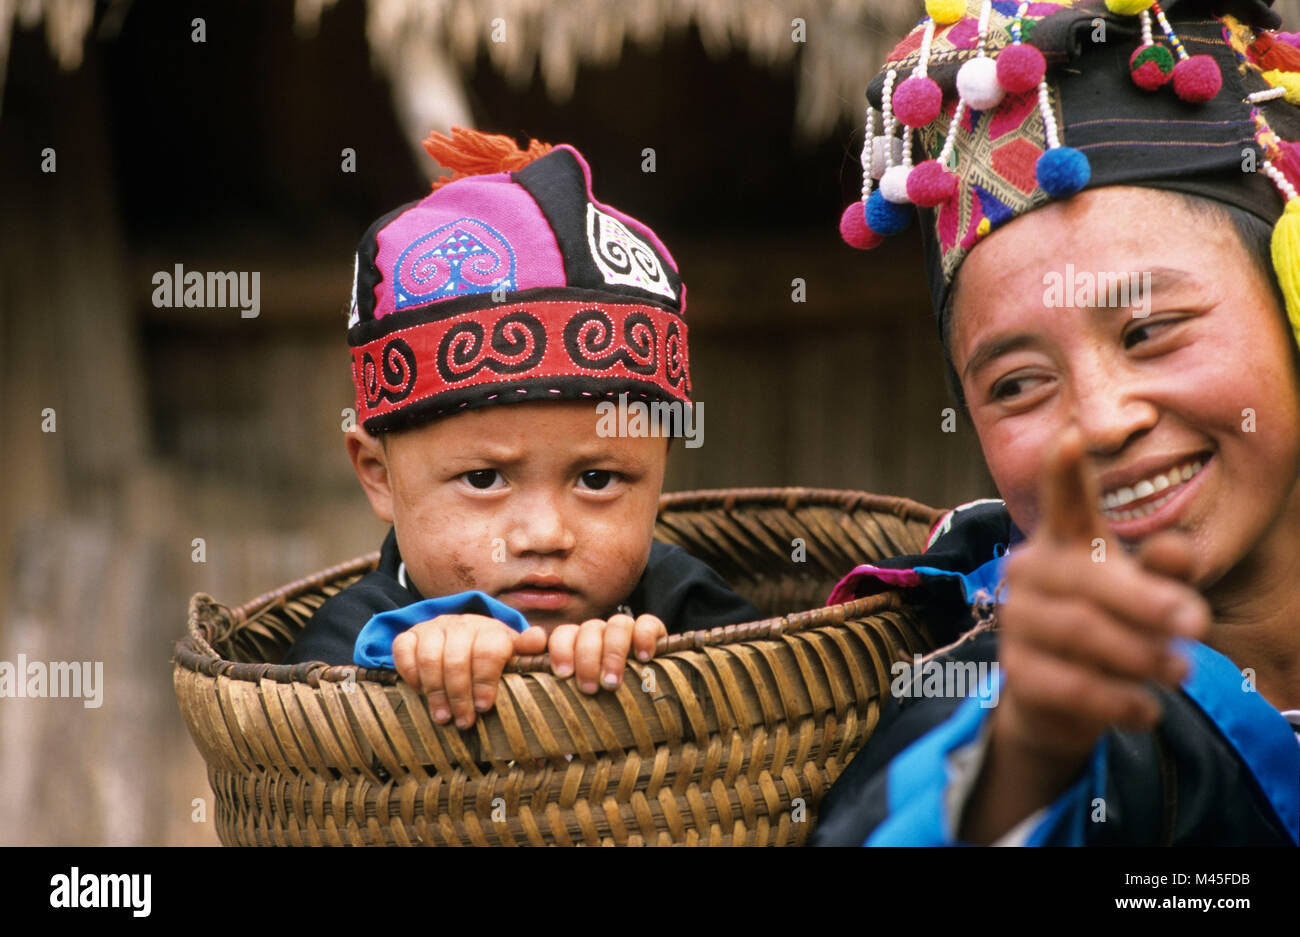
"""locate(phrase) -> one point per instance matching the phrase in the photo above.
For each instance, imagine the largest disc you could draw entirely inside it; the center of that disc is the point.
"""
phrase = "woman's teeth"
(1113, 502)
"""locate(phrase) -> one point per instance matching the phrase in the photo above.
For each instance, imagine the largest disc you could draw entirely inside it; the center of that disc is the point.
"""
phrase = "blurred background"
(221, 147)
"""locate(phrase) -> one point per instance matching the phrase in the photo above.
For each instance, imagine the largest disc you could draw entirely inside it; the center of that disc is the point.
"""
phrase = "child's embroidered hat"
(1014, 104)
(511, 283)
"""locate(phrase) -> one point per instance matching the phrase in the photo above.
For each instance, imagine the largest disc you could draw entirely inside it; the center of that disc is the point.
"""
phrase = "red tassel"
(474, 153)
(1269, 54)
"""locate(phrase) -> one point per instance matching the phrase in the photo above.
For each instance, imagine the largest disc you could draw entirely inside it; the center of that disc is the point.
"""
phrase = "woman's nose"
(1111, 405)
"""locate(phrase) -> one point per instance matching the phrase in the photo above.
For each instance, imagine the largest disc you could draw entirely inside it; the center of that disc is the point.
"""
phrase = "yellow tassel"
(1288, 80)
(1286, 261)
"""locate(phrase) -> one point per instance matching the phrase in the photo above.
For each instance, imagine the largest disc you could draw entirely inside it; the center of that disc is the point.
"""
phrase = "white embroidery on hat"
(622, 257)
(355, 315)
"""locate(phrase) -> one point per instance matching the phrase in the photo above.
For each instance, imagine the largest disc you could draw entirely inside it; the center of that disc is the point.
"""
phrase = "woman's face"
(1199, 372)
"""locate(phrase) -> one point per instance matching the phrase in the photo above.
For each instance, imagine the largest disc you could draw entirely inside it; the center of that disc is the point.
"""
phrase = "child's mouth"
(543, 594)
(1152, 503)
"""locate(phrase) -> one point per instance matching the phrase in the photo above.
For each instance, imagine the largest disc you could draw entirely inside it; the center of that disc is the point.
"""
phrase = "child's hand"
(457, 662)
(1078, 641)
(599, 649)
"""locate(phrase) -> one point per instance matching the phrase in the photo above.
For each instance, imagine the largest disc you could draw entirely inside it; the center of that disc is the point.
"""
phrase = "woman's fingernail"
(441, 715)
(589, 686)
(462, 723)
(563, 670)
(1188, 620)
(481, 705)
(643, 655)
(610, 680)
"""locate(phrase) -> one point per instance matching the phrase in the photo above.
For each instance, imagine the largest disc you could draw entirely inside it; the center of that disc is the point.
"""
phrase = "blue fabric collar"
(374, 646)
(1260, 734)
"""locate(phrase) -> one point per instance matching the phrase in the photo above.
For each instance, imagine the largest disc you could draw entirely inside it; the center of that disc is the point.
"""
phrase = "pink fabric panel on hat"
(466, 238)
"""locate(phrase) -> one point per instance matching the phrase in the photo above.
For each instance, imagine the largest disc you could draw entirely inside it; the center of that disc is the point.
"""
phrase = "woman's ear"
(369, 457)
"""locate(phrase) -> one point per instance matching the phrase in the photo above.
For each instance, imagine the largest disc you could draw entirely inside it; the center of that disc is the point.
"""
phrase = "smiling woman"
(1136, 582)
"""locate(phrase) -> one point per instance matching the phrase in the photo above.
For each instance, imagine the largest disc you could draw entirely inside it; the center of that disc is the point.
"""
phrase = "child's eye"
(482, 479)
(596, 479)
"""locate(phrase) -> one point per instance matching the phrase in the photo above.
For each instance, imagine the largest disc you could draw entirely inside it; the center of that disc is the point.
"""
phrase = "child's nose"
(538, 526)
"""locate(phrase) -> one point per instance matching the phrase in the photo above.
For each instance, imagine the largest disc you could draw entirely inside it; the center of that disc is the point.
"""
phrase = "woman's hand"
(1079, 641)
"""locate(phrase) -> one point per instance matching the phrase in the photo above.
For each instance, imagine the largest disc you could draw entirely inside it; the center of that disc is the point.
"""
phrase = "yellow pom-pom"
(1128, 7)
(1286, 261)
(945, 12)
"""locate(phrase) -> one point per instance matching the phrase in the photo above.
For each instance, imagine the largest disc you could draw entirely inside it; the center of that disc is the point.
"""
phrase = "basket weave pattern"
(729, 736)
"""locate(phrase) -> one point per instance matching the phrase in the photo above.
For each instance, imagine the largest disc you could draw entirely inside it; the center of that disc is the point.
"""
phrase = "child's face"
(524, 502)
(1207, 375)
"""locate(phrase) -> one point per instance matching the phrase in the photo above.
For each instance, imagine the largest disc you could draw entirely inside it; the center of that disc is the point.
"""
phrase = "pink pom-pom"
(917, 101)
(930, 184)
(1020, 68)
(1197, 79)
(854, 230)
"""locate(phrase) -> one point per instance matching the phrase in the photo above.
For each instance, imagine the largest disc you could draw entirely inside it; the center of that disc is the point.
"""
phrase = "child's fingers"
(404, 646)
(561, 646)
(587, 654)
(531, 641)
(1067, 494)
(646, 635)
(428, 668)
(617, 645)
(493, 648)
(457, 677)
(1075, 630)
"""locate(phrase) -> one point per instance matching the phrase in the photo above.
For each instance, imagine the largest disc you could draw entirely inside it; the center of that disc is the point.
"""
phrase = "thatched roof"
(424, 46)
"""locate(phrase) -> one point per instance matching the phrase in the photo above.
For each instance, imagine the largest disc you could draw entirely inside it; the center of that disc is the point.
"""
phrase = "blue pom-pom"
(1063, 171)
(886, 217)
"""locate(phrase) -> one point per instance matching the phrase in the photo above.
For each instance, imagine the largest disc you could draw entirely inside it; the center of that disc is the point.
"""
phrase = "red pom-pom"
(917, 101)
(854, 230)
(1020, 68)
(930, 184)
(1197, 79)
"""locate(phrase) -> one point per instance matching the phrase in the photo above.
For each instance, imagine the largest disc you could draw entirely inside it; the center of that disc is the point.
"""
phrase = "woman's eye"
(1008, 388)
(1142, 330)
(596, 479)
(482, 479)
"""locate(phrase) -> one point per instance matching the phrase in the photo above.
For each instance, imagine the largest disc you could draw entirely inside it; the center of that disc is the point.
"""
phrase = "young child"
(1136, 583)
(488, 321)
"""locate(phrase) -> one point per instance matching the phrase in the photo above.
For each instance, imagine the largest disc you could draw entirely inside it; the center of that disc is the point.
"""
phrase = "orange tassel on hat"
(474, 153)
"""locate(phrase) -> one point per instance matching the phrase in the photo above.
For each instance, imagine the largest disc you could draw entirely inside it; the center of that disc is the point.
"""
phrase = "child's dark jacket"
(683, 592)
(1222, 766)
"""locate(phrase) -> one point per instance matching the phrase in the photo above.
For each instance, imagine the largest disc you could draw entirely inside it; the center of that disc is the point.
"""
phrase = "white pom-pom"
(893, 185)
(977, 83)
(880, 148)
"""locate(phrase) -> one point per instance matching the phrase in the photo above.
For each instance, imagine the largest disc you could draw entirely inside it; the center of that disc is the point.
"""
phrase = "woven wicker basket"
(729, 736)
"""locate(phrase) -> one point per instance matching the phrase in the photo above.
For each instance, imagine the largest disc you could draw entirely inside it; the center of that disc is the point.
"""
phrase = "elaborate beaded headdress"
(1014, 104)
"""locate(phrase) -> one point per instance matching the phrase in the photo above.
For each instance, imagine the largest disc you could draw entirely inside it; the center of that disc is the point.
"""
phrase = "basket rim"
(194, 652)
